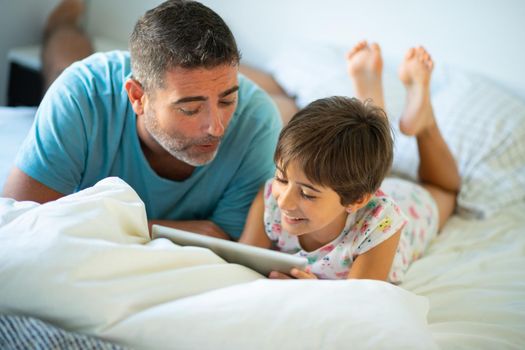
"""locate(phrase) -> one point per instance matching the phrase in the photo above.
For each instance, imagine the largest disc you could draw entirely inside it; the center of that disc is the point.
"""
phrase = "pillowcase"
(483, 124)
(292, 315)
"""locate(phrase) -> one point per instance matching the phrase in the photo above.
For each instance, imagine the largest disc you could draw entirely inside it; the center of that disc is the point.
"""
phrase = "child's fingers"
(278, 275)
(302, 274)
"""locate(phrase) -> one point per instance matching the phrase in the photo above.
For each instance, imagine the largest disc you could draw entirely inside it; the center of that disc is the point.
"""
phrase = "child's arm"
(253, 233)
(377, 262)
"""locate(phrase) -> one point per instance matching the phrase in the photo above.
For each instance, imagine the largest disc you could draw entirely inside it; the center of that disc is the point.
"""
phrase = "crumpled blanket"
(85, 263)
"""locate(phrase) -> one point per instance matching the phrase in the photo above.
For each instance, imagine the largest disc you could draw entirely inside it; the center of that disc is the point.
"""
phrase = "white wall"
(485, 36)
(21, 23)
(115, 19)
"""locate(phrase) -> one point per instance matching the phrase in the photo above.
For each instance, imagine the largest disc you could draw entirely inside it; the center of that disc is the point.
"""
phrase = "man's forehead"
(205, 83)
(224, 74)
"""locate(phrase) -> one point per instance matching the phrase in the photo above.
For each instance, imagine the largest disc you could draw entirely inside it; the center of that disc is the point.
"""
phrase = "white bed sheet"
(14, 125)
(474, 279)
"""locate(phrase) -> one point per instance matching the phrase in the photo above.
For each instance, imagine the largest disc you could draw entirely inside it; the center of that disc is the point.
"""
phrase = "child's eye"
(308, 197)
(189, 112)
(280, 179)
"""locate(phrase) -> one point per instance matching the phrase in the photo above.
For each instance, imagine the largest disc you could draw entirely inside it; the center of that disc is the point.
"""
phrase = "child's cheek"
(276, 189)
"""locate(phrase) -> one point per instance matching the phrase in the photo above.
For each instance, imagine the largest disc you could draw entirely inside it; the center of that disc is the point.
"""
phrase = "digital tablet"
(259, 259)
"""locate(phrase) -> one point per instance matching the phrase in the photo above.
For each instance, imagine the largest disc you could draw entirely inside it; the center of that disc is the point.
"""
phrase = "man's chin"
(200, 159)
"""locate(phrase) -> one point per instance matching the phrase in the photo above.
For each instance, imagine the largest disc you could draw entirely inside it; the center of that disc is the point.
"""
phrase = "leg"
(263, 79)
(285, 103)
(445, 201)
(437, 168)
(64, 41)
(365, 68)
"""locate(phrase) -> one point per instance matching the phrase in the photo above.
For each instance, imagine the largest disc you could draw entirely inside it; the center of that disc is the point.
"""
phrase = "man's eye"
(227, 103)
(189, 112)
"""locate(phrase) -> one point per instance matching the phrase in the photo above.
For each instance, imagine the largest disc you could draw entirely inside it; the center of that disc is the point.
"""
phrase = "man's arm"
(22, 187)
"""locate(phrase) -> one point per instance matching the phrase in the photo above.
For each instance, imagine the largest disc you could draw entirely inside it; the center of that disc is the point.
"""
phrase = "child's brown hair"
(340, 143)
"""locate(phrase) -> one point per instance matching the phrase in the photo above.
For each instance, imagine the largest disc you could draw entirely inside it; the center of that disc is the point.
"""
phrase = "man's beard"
(179, 146)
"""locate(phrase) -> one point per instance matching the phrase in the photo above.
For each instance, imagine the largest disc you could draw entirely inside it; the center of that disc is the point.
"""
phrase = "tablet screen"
(259, 259)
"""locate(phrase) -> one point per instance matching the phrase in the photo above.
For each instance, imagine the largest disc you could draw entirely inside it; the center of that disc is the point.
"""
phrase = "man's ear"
(136, 95)
(361, 202)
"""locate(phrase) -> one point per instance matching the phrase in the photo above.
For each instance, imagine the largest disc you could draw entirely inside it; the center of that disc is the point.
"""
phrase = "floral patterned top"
(364, 229)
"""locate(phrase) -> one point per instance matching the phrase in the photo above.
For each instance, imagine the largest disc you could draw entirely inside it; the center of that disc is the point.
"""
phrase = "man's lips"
(208, 147)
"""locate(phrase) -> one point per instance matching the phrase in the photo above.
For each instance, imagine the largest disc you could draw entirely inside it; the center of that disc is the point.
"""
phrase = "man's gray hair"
(179, 33)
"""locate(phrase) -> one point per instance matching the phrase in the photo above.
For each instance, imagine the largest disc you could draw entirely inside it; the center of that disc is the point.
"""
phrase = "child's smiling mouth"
(292, 220)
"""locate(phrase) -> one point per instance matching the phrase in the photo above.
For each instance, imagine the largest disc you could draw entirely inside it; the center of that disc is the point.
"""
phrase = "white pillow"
(483, 125)
(298, 314)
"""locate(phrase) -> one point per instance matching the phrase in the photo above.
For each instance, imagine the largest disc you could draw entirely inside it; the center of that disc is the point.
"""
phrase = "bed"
(84, 267)
(85, 264)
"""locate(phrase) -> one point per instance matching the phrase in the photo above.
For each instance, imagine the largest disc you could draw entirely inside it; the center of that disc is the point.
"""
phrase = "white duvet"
(85, 263)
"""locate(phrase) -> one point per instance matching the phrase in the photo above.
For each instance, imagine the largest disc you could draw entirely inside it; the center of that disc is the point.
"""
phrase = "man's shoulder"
(256, 106)
(115, 58)
(250, 93)
(101, 68)
(94, 82)
(88, 92)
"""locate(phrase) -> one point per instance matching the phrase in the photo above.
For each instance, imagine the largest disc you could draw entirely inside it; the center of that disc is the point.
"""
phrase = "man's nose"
(216, 124)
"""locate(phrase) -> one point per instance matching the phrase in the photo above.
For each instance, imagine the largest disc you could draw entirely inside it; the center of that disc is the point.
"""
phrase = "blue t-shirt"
(85, 130)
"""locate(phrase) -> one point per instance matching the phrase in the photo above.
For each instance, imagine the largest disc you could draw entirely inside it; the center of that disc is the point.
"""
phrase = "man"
(172, 118)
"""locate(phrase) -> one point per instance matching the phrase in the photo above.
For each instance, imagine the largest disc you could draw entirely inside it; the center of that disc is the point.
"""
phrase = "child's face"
(308, 209)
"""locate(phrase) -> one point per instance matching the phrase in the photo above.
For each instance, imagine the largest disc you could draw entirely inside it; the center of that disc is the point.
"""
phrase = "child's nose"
(286, 200)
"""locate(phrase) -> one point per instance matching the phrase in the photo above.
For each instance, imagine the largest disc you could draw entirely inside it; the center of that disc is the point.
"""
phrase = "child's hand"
(294, 273)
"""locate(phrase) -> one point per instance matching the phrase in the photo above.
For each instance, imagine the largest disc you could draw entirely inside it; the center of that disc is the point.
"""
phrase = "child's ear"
(361, 202)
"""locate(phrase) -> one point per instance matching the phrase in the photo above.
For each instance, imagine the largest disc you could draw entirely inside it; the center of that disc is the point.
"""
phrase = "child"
(325, 202)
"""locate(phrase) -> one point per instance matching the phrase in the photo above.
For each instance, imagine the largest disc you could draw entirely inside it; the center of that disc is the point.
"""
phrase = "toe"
(410, 53)
(357, 47)
(375, 47)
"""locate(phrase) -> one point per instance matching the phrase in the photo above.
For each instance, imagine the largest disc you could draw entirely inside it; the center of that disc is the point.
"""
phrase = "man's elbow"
(21, 187)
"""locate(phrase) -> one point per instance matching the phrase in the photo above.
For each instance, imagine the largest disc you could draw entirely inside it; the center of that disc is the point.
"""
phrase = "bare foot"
(365, 67)
(415, 72)
(67, 13)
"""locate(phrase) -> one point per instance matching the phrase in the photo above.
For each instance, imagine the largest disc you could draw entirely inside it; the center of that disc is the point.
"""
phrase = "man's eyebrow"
(190, 99)
(203, 98)
(229, 91)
